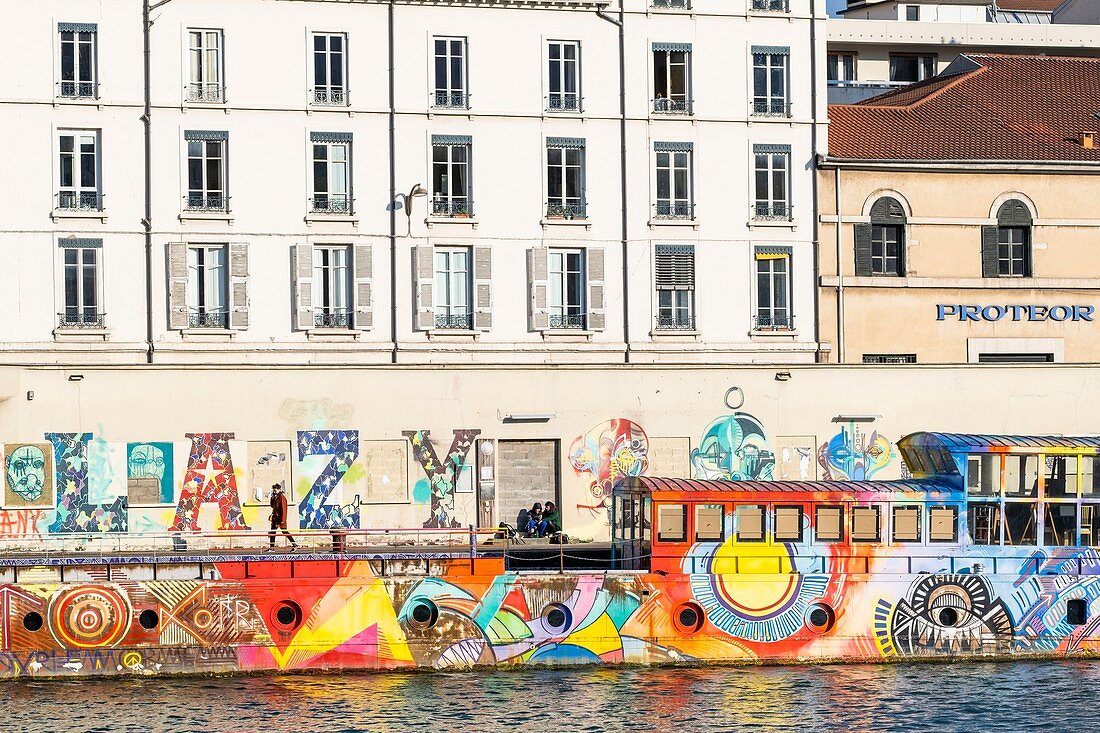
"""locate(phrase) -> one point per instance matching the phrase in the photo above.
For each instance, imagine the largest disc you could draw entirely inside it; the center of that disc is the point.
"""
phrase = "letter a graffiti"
(74, 512)
(442, 476)
(209, 478)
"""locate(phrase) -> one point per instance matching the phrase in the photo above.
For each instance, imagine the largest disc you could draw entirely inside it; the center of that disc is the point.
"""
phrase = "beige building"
(962, 212)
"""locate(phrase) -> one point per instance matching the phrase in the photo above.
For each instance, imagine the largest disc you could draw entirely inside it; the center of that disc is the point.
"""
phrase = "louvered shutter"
(595, 269)
(863, 250)
(1014, 213)
(538, 275)
(675, 267)
(238, 286)
(483, 291)
(424, 262)
(177, 285)
(990, 266)
(303, 286)
(364, 271)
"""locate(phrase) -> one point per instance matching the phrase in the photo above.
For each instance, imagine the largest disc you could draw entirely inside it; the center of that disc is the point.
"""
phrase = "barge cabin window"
(829, 523)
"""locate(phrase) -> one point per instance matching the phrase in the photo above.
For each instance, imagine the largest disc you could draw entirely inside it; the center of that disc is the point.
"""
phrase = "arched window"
(1006, 248)
(880, 245)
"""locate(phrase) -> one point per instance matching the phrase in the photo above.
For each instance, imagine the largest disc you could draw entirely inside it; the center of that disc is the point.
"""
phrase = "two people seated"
(542, 520)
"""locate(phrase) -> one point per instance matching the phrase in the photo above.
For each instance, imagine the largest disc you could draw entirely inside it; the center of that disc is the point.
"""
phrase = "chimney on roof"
(1089, 139)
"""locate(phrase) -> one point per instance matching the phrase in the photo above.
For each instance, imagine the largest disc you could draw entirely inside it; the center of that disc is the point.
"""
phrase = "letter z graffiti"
(343, 446)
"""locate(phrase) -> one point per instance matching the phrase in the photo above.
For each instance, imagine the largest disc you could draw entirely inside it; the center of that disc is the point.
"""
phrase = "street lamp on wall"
(416, 192)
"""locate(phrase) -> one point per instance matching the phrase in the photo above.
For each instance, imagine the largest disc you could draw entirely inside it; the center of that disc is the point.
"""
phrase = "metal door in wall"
(527, 472)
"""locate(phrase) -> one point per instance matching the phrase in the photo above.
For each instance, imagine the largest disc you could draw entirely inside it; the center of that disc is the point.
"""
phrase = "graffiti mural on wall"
(149, 473)
(442, 475)
(75, 512)
(736, 448)
(852, 455)
(343, 446)
(28, 469)
(607, 453)
(210, 477)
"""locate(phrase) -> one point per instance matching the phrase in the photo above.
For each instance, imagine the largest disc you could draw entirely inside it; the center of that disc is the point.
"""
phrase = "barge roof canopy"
(969, 443)
(656, 485)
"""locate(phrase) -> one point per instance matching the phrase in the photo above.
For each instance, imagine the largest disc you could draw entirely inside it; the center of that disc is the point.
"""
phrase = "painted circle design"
(131, 659)
(203, 618)
(86, 618)
(689, 617)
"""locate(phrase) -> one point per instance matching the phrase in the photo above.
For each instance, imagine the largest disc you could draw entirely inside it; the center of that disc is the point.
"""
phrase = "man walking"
(278, 516)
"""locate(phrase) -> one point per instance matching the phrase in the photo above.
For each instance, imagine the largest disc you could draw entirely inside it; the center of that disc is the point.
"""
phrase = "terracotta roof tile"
(1037, 6)
(1005, 107)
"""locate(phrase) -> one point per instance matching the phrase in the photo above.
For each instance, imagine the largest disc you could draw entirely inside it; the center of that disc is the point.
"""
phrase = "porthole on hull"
(148, 619)
(820, 618)
(424, 614)
(557, 618)
(689, 617)
(286, 616)
(32, 621)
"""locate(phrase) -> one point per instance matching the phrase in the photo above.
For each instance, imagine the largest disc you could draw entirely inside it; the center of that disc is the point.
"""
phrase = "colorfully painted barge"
(989, 550)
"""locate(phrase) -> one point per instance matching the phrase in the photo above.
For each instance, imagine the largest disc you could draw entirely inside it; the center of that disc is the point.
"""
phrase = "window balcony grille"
(568, 320)
(332, 318)
(78, 90)
(664, 106)
(77, 318)
(566, 210)
(775, 211)
(678, 322)
(206, 202)
(329, 96)
(670, 4)
(454, 321)
(80, 200)
(211, 92)
(770, 108)
(452, 208)
(208, 318)
(450, 100)
(331, 204)
(772, 6)
(563, 102)
(674, 210)
(773, 322)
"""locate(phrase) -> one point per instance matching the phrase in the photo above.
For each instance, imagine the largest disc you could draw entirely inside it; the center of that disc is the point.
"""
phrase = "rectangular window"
(750, 523)
(674, 184)
(1060, 524)
(788, 524)
(772, 175)
(1022, 476)
(451, 180)
(450, 73)
(206, 173)
(886, 250)
(908, 68)
(78, 176)
(773, 292)
(565, 180)
(671, 523)
(829, 524)
(1061, 476)
(770, 83)
(332, 283)
(331, 177)
(207, 286)
(672, 78)
(772, 6)
(567, 286)
(205, 83)
(866, 524)
(842, 67)
(1076, 611)
(907, 523)
(1090, 524)
(78, 61)
(985, 523)
(564, 74)
(708, 523)
(889, 358)
(1013, 249)
(943, 524)
(81, 286)
(1020, 523)
(1089, 467)
(912, 12)
(675, 276)
(1002, 357)
(983, 475)
(330, 64)
(452, 290)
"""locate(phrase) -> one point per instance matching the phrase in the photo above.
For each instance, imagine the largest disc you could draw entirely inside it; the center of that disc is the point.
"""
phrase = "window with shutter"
(483, 291)
(364, 270)
(880, 245)
(829, 523)
(674, 268)
(788, 524)
(943, 523)
(538, 286)
(238, 286)
(596, 282)
(907, 524)
(866, 524)
(424, 265)
(1013, 239)
(708, 523)
(303, 286)
(990, 260)
(750, 523)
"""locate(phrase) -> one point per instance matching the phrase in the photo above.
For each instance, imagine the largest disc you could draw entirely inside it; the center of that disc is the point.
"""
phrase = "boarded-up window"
(750, 523)
(829, 522)
(788, 524)
(907, 524)
(943, 523)
(865, 524)
(708, 522)
(671, 526)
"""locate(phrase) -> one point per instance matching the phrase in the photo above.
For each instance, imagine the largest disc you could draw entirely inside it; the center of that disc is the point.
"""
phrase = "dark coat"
(278, 510)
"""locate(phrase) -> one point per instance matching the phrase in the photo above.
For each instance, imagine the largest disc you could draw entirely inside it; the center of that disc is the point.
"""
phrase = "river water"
(1018, 696)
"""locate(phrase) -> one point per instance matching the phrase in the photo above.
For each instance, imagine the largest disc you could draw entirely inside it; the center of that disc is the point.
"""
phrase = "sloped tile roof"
(1037, 6)
(984, 107)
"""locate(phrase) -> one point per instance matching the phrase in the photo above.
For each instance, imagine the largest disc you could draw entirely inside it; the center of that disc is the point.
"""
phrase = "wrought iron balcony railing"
(206, 202)
(80, 318)
(772, 6)
(329, 96)
(774, 211)
(212, 92)
(674, 210)
(670, 4)
(566, 210)
(80, 200)
(208, 318)
(331, 204)
(568, 320)
(770, 108)
(454, 321)
(444, 99)
(455, 208)
(78, 90)
(677, 322)
(775, 321)
(664, 106)
(332, 318)
(563, 102)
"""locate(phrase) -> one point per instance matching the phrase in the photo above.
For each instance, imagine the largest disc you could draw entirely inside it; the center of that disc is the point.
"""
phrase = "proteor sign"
(1014, 312)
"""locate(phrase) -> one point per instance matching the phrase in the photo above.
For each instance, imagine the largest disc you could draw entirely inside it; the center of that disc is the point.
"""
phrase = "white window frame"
(769, 314)
(82, 315)
(675, 299)
(208, 87)
(326, 93)
(450, 281)
(767, 102)
(201, 287)
(565, 314)
(332, 285)
(680, 203)
(571, 203)
(563, 100)
(769, 207)
(445, 204)
(841, 67)
(78, 195)
(922, 68)
(207, 197)
(77, 88)
(665, 100)
(446, 94)
(331, 201)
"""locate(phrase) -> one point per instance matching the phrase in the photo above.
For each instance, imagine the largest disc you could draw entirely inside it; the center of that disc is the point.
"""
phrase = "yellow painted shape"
(599, 637)
(743, 570)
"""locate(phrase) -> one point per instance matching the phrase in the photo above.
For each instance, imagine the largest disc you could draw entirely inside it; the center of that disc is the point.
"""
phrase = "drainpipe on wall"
(393, 195)
(816, 210)
(839, 272)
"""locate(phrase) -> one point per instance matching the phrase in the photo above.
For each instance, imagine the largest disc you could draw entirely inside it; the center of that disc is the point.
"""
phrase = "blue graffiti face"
(735, 448)
(26, 472)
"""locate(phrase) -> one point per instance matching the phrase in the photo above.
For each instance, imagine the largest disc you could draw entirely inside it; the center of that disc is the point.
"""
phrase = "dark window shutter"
(1013, 213)
(863, 250)
(990, 267)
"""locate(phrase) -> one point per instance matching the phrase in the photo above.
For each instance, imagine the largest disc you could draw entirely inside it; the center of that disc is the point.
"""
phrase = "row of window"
(905, 68)
(332, 287)
(1012, 522)
(450, 72)
(207, 151)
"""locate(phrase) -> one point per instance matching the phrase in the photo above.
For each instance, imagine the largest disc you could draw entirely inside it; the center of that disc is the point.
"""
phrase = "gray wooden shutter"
(424, 260)
(364, 271)
(177, 285)
(990, 265)
(538, 276)
(238, 286)
(483, 288)
(595, 269)
(863, 250)
(1013, 213)
(303, 286)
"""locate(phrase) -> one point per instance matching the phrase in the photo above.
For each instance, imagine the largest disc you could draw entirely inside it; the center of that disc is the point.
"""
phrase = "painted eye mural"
(609, 452)
(850, 455)
(734, 448)
(26, 473)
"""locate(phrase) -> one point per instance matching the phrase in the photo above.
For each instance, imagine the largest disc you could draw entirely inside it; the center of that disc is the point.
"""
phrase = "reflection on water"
(1021, 696)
